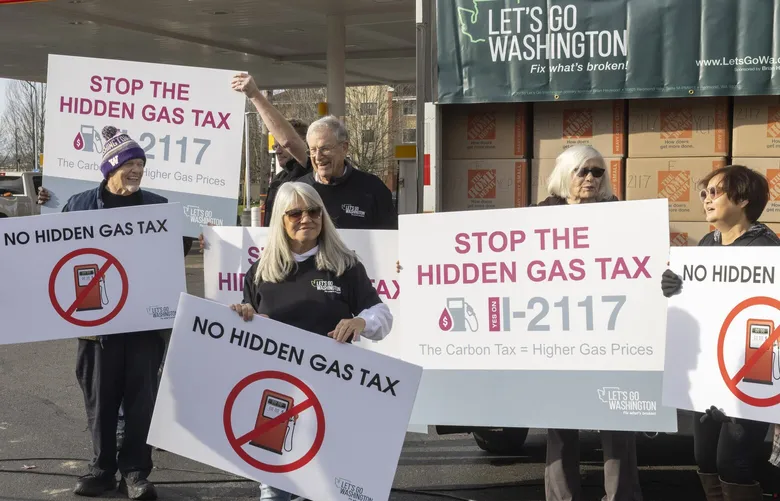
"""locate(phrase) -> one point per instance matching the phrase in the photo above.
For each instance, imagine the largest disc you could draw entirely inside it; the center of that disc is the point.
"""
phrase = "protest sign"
(560, 304)
(90, 273)
(722, 332)
(281, 409)
(188, 121)
(232, 250)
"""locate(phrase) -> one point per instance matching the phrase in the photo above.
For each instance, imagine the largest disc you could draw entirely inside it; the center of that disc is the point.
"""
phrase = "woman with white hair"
(581, 176)
(308, 278)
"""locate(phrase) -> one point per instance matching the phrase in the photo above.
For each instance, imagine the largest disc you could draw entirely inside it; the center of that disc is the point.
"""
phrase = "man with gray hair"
(354, 199)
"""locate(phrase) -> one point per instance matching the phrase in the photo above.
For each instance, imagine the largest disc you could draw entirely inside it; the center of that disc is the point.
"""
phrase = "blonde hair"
(277, 260)
(568, 162)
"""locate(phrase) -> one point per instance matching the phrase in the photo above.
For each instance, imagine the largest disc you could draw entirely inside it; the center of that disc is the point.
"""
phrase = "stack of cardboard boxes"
(672, 145)
(485, 157)
(654, 148)
(558, 126)
(757, 145)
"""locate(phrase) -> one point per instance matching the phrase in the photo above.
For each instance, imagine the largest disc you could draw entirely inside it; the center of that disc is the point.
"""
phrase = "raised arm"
(278, 125)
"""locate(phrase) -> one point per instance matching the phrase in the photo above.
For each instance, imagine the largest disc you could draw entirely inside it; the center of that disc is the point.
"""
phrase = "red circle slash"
(731, 382)
(68, 314)
(237, 443)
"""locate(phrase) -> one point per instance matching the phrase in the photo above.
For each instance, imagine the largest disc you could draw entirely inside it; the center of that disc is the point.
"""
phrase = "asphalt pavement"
(45, 446)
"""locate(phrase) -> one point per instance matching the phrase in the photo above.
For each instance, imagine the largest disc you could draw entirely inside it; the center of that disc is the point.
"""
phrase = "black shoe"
(138, 489)
(92, 486)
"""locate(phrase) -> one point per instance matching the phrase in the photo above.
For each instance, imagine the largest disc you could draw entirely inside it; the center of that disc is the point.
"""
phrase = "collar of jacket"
(337, 180)
(755, 230)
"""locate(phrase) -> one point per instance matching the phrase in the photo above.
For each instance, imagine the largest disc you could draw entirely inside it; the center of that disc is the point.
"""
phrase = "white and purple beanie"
(118, 149)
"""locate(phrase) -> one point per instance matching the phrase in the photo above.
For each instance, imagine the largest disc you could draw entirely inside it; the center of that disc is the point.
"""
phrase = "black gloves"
(671, 283)
(716, 415)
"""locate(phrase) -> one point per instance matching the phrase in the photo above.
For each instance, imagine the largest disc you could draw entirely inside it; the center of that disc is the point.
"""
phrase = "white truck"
(19, 193)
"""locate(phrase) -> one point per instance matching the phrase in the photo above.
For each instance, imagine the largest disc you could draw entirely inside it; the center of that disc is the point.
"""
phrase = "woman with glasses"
(308, 278)
(580, 176)
(734, 197)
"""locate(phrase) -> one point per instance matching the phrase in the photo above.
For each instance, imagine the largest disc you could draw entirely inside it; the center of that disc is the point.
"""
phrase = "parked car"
(19, 193)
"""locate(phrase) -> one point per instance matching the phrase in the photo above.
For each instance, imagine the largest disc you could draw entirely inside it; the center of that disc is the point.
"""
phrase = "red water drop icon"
(445, 320)
(78, 143)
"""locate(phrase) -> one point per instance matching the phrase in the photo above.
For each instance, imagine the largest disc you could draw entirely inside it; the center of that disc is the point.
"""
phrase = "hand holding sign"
(348, 328)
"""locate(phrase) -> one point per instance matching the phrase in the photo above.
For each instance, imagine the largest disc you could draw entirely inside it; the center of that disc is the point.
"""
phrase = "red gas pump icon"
(763, 371)
(274, 404)
(97, 297)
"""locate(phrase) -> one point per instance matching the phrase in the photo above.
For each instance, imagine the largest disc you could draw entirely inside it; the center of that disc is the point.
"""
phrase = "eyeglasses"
(297, 214)
(596, 171)
(713, 191)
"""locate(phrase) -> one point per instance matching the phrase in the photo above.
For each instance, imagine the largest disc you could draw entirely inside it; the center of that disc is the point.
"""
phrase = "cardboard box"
(770, 168)
(481, 131)
(688, 127)
(484, 184)
(541, 170)
(676, 179)
(561, 125)
(688, 234)
(756, 126)
(774, 227)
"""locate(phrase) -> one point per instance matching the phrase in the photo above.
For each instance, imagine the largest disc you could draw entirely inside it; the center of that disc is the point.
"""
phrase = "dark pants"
(120, 428)
(562, 472)
(728, 449)
(121, 367)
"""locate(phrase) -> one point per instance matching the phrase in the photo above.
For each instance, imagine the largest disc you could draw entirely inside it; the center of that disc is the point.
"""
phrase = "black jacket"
(555, 200)
(292, 171)
(758, 234)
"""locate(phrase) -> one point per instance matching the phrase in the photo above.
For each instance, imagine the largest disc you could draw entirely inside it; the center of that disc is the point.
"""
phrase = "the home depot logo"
(577, 124)
(674, 185)
(481, 126)
(677, 124)
(482, 183)
(773, 177)
(773, 121)
(678, 239)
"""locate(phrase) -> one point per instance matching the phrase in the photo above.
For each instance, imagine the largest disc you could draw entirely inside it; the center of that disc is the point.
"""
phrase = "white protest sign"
(722, 332)
(89, 273)
(560, 304)
(188, 121)
(232, 250)
(286, 407)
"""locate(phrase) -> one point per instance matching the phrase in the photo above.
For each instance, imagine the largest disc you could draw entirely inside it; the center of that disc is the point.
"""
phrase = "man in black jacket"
(354, 199)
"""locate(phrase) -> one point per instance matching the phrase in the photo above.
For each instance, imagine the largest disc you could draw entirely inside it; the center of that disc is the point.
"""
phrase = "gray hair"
(568, 162)
(334, 125)
(277, 261)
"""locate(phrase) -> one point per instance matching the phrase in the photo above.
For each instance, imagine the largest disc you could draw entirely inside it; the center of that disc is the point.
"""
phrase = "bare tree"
(23, 120)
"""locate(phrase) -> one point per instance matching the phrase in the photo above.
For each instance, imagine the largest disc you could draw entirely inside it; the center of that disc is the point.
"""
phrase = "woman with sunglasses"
(734, 197)
(580, 176)
(308, 278)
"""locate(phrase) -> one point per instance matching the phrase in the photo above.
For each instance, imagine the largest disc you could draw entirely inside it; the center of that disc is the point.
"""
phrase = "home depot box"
(542, 168)
(756, 126)
(600, 124)
(481, 131)
(676, 179)
(770, 168)
(484, 184)
(690, 127)
(687, 234)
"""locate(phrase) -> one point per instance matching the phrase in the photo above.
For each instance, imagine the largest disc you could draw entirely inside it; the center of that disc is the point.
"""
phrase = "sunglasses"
(713, 191)
(596, 171)
(297, 214)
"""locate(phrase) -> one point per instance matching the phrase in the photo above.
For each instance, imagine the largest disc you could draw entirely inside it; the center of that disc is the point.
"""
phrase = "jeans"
(728, 449)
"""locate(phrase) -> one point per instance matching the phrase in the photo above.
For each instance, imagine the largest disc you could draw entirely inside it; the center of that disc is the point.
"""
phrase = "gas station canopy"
(283, 43)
